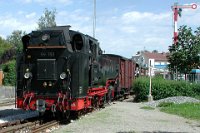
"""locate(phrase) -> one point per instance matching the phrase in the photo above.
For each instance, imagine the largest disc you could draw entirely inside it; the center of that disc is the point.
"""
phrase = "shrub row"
(162, 88)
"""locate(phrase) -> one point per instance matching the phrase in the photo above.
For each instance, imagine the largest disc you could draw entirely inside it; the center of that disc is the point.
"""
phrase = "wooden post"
(150, 97)
(1, 77)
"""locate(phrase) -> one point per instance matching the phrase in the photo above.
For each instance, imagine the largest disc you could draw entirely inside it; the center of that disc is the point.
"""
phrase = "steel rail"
(45, 126)
(26, 126)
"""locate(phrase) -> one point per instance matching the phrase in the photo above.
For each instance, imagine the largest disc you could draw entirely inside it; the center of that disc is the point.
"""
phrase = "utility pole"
(177, 9)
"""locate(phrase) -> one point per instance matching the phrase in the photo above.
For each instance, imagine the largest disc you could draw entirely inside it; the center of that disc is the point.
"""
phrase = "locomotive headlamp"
(80, 89)
(45, 84)
(27, 75)
(29, 56)
(63, 75)
(45, 37)
(50, 83)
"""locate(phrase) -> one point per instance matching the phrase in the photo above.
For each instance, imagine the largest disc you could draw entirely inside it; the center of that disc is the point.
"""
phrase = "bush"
(140, 88)
(9, 73)
(162, 88)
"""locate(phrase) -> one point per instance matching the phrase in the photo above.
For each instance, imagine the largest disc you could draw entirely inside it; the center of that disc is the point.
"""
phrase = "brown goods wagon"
(127, 85)
(125, 73)
(131, 72)
(122, 72)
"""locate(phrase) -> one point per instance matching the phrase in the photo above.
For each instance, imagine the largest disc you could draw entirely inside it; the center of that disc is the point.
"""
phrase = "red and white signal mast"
(177, 12)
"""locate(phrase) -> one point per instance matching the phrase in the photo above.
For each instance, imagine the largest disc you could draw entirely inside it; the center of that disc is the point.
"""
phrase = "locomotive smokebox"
(46, 69)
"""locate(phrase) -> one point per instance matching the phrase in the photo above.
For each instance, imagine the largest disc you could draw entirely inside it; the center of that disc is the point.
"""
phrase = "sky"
(123, 27)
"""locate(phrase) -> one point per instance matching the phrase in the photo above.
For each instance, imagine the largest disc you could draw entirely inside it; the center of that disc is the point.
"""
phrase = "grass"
(187, 110)
(147, 108)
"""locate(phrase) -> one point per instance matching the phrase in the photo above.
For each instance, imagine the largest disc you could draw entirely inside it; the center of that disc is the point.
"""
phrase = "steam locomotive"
(61, 70)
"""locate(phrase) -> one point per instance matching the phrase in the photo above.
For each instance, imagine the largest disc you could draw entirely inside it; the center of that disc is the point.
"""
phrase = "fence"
(7, 92)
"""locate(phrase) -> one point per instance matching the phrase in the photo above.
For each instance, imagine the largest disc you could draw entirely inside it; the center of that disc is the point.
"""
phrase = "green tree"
(184, 55)
(197, 47)
(15, 39)
(47, 20)
(4, 45)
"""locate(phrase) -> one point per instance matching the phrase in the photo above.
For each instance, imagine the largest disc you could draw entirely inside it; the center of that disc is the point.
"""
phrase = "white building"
(158, 62)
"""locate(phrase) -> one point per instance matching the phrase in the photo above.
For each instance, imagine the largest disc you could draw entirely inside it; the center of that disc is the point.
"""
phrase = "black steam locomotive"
(62, 70)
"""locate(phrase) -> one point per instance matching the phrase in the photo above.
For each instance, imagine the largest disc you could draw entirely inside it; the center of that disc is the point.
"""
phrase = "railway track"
(33, 127)
(7, 102)
(46, 126)
(26, 127)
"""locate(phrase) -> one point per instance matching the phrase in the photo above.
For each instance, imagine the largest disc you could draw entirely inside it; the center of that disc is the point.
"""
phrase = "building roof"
(156, 56)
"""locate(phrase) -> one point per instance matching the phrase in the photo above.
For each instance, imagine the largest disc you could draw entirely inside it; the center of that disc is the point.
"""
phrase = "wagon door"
(126, 74)
(130, 73)
(122, 74)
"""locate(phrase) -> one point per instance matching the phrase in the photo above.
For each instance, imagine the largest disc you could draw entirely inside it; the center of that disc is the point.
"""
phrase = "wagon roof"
(117, 56)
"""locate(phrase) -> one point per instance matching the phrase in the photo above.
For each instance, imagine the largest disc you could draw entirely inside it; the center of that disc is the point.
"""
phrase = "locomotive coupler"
(40, 105)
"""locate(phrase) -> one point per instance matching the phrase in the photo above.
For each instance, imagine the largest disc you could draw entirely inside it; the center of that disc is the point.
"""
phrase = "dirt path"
(129, 117)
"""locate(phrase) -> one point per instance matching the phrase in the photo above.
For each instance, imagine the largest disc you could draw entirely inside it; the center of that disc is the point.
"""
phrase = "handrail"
(40, 47)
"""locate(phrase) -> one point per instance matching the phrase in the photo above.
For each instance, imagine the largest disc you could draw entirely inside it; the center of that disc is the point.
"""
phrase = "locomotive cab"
(77, 42)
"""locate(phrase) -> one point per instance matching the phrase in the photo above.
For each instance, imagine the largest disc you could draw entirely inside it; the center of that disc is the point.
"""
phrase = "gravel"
(128, 117)
(176, 100)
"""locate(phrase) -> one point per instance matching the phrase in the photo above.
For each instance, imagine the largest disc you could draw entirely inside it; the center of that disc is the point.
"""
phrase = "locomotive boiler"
(61, 70)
